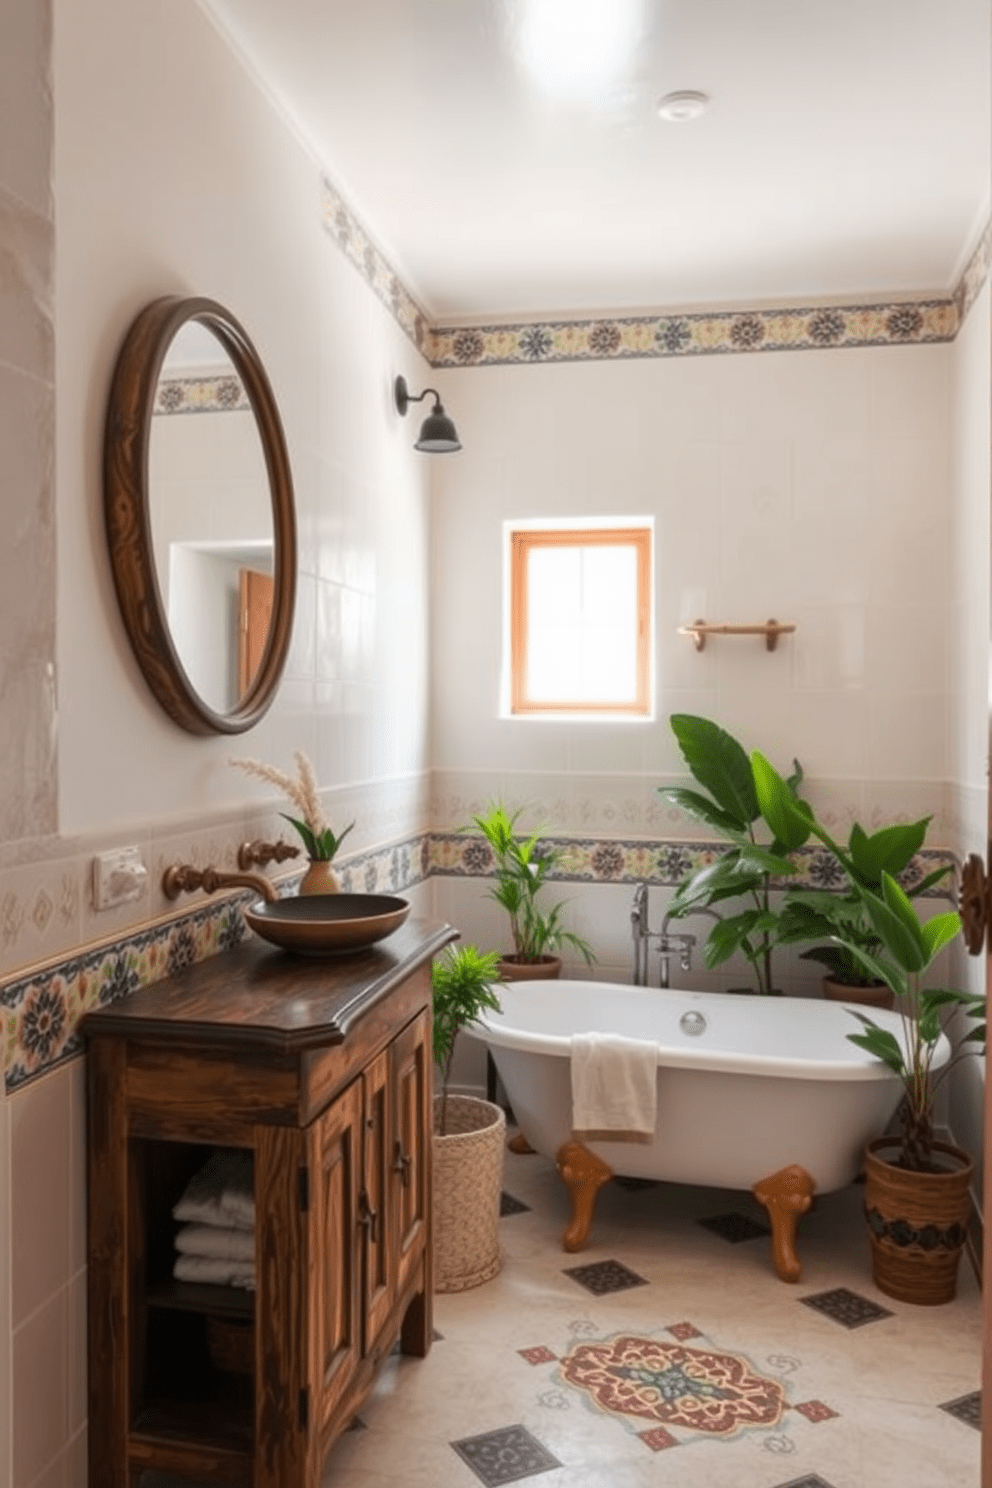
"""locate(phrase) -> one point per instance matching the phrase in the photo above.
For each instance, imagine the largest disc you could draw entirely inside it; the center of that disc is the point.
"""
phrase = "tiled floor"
(544, 1377)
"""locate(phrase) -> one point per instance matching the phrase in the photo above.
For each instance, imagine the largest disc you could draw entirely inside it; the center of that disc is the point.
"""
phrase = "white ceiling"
(845, 151)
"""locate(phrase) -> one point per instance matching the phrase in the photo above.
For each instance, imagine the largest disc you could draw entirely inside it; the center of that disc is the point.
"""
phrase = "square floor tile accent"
(682, 1331)
(505, 1456)
(658, 1439)
(603, 1277)
(509, 1205)
(967, 1408)
(811, 1480)
(540, 1355)
(846, 1307)
(815, 1411)
(634, 1185)
(734, 1227)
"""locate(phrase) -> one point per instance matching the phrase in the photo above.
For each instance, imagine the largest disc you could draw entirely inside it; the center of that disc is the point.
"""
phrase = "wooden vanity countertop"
(257, 995)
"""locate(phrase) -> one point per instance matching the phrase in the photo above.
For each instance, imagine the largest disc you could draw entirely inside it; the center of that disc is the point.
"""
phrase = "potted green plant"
(917, 1198)
(468, 1132)
(522, 866)
(746, 868)
(840, 920)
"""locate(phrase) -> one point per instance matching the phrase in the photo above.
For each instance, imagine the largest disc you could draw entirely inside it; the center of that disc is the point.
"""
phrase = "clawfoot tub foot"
(785, 1195)
(520, 1145)
(583, 1174)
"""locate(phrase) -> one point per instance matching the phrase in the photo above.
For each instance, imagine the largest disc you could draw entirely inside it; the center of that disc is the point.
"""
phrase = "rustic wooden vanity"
(322, 1070)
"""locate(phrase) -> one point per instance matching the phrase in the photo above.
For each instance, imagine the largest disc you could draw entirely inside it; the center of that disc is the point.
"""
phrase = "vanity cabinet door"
(335, 1143)
(374, 1200)
(411, 1171)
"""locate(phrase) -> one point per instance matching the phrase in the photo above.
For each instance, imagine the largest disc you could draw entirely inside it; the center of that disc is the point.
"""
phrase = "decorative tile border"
(658, 861)
(707, 334)
(356, 243)
(975, 274)
(216, 393)
(911, 321)
(40, 1010)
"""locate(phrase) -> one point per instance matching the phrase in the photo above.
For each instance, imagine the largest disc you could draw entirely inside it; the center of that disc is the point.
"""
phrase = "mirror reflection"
(210, 514)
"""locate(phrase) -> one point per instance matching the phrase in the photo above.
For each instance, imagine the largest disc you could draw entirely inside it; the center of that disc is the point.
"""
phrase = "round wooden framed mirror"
(200, 517)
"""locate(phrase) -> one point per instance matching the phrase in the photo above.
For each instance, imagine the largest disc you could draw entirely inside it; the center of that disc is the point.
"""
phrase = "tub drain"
(692, 1024)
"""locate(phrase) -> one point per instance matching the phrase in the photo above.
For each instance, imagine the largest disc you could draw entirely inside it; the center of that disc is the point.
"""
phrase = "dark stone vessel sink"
(327, 924)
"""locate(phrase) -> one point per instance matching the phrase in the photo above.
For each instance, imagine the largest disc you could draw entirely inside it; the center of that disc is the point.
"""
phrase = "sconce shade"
(438, 435)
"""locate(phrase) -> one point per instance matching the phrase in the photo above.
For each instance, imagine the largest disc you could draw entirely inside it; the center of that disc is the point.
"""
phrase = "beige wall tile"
(26, 111)
(76, 1354)
(40, 1192)
(39, 1398)
(77, 1166)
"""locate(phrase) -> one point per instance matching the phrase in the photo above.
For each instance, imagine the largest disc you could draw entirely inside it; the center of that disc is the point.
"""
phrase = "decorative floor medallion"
(668, 1383)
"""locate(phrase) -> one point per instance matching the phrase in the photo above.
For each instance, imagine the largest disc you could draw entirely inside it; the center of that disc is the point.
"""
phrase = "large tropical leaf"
(790, 819)
(880, 1042)
(890, 850)
(898, 931)
(719, 764)
(938, 931)
(728, 937)
(758, 859)
(701, 808)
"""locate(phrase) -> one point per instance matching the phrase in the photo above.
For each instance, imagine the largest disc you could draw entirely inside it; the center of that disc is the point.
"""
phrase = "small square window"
(580, 620)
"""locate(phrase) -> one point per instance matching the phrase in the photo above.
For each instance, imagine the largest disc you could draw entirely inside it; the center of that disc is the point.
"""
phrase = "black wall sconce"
(438, 435)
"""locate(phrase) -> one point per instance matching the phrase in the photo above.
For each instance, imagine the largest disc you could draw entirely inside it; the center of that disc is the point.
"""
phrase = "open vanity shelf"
(321, 1069)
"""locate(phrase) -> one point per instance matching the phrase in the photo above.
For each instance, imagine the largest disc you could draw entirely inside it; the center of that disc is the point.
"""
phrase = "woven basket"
(917, 1222)
(468, 1178)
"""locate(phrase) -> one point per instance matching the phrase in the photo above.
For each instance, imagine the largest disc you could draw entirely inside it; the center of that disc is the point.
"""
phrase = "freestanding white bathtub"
(750, 1089)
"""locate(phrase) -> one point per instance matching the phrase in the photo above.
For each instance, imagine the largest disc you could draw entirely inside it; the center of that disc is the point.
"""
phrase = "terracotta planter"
(319, 878)
(916, 1222)
(878, 995)
(512, 969)
(468, 1179)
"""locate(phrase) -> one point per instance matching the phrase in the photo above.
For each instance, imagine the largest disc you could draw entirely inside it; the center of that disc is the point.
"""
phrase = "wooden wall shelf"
(770, 629)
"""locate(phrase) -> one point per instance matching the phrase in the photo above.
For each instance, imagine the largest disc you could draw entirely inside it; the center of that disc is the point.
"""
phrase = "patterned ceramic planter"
(468, 1180)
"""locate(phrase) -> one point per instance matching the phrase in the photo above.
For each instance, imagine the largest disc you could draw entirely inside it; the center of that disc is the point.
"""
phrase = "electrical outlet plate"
(119, 877)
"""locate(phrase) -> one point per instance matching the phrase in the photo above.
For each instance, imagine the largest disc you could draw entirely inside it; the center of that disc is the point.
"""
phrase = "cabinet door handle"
(368, 1217)
(401, 1163)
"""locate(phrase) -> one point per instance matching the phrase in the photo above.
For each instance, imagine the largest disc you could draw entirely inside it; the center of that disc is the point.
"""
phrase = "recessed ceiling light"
(679, 108)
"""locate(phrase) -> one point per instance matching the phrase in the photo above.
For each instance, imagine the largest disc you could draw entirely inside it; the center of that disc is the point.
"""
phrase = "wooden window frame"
(522, 542)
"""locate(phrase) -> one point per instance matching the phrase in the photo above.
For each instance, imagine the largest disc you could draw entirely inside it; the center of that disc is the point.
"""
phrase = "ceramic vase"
(320, 878)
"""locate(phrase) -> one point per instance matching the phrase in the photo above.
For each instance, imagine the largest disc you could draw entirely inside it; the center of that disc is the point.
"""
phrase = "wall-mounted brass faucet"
(183, 878)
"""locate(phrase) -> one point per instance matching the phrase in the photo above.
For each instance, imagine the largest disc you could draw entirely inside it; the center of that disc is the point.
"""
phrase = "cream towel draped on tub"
(614, 1087)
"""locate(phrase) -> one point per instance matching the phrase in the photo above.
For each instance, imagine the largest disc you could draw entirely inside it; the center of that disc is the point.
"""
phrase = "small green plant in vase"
(320, 841)
(522, 868)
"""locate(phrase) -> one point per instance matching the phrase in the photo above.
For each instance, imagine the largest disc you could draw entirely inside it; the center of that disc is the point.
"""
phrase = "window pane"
(609, 589)
(609, 664)
(554, 585)
(555, 663)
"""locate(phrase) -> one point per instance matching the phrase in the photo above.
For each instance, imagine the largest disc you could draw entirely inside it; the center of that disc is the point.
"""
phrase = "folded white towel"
(222, 1243)
(212, 1269)
(221, 1193)
(614, 1086)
